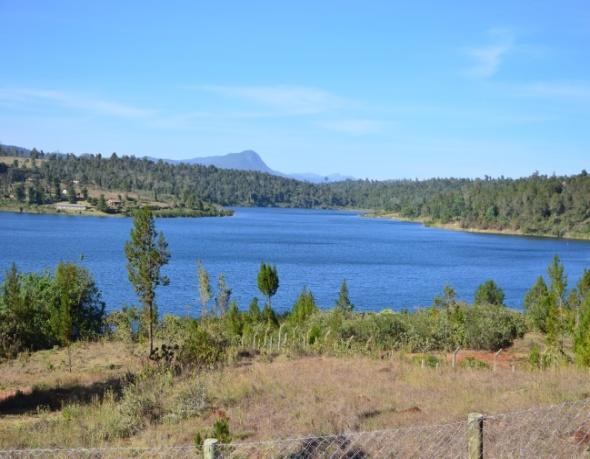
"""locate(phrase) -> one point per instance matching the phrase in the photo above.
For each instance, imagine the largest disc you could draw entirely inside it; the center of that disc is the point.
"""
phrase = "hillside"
(557, 206)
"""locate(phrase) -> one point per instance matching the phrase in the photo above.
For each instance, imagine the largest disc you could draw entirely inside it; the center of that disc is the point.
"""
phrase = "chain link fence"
(558, 431)
(164, 452)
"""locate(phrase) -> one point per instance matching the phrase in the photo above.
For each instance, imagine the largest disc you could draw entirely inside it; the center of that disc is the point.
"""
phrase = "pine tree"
(344, 303)
(536, 305)
(254, 313)
(147, 251)
(304, 307)
(489, 293)
(268, 281)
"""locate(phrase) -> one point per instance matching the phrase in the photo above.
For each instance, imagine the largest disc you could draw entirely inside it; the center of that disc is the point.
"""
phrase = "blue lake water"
(387, 264)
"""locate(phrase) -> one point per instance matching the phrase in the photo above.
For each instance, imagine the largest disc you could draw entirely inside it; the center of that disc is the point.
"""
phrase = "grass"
(264, 397)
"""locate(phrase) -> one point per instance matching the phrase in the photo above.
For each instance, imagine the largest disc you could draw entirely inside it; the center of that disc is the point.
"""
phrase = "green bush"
(201, 348)
(124, 325)
(490, 327)
(41, 310)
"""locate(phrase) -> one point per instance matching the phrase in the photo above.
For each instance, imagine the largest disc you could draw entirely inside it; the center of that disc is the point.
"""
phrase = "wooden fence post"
(475, 436)
(210, 449)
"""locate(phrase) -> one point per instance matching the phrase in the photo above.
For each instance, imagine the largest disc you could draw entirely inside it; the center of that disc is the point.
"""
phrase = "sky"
(371, 89)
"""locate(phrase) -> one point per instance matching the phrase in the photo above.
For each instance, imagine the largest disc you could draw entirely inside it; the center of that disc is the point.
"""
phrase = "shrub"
(201, 349)
(123, 325)
(491, 327)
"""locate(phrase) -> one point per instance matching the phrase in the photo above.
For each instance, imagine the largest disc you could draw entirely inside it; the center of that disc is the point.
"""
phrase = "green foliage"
(205, 292)
(269, 316)
(447, 299)
(472, 362)
(233, 320)
(201, 349)
(38, 311)
(268, 281)
(124, 324)
(489, 293)
(582, 334)
(343, 303)
(492, 327)
(220, 431)
(254, 313)
(146, 252)
(537, 304)
(303, 308)
(79, 311)
(223, 295)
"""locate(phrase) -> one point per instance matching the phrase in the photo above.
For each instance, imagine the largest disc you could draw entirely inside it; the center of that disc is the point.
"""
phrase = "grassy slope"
(264, 397)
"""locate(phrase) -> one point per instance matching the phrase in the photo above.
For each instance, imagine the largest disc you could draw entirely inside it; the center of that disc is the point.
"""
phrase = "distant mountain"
(246, 161)
(249, 160)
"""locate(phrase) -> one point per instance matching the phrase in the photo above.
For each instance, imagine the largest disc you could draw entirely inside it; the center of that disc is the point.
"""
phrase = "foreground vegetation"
(556, 206)
(130, 377)
(256, 395)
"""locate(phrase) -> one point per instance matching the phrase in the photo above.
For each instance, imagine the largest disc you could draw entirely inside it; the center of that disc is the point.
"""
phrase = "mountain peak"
(249, 160)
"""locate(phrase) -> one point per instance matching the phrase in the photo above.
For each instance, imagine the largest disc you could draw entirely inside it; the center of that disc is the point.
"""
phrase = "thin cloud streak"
(73, 100)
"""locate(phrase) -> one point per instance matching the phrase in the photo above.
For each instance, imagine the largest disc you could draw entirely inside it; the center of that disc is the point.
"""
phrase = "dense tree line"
(539, 204)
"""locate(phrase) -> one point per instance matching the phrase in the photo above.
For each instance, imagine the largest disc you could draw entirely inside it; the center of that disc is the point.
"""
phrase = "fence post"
(475, 436)
(210, 449)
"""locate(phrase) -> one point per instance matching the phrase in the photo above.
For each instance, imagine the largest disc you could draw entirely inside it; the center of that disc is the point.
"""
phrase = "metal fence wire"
(441, 441)
(558, 431)
(164, 452)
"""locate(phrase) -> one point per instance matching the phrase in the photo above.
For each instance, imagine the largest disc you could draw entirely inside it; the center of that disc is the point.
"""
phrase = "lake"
(388, 264)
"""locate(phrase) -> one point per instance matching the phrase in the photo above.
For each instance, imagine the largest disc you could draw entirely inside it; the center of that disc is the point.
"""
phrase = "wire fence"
(558, 431)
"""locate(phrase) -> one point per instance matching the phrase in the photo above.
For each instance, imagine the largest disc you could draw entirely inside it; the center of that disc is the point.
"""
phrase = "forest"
(557, 206)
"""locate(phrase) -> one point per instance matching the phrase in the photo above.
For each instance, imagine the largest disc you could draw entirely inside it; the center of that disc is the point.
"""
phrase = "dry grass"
(272, 399)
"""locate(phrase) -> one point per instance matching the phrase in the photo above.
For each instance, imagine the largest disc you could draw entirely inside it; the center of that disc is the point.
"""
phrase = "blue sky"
(370, 89)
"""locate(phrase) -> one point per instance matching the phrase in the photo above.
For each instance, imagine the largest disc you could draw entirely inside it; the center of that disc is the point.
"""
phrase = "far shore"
(455, 226)
(50, 209)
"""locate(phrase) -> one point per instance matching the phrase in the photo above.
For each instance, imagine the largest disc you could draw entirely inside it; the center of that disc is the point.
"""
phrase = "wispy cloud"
(487, 59)
(283, 100)
(355, 127)
(84, 102)
(575, 90)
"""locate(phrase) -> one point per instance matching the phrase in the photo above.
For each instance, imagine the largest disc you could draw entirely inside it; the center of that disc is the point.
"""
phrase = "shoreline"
(457, 227)
(47, 210)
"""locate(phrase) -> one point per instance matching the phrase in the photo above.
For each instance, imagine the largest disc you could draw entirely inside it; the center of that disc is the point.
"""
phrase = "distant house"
(70, 207)
(113, 202)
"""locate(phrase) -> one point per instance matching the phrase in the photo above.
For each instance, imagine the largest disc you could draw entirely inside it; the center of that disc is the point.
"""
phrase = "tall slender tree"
(205, 292)
(223, 295)
(147, 251)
